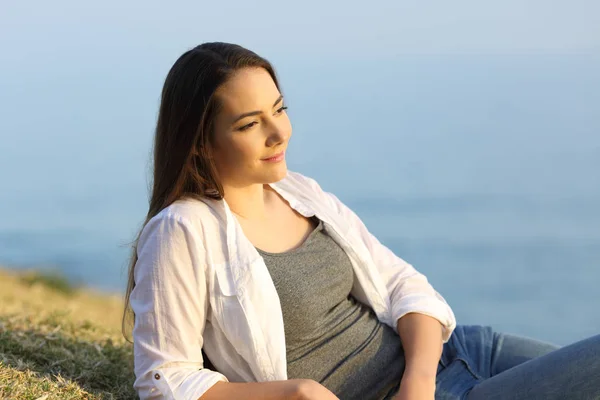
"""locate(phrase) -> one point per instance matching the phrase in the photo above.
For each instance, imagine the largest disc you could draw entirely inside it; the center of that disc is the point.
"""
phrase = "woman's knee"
(511, 350)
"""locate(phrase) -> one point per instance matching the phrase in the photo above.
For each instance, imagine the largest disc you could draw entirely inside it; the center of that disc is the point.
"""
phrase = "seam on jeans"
(466, 361)
(465, 395)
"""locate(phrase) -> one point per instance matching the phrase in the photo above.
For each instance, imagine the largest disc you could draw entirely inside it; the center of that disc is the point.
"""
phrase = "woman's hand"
(308, 389)
(415, 387)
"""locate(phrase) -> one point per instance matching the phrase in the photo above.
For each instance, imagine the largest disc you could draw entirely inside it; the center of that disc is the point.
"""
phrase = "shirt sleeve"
(408, 289)
(170, 303)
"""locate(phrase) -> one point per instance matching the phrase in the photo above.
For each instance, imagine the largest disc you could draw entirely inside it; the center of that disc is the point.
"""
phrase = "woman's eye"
(250, 125)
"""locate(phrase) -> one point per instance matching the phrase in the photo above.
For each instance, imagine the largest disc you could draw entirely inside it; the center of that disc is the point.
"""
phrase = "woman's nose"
(277, 136)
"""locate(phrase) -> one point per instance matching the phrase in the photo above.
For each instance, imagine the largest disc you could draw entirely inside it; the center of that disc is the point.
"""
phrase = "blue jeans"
(478, 363)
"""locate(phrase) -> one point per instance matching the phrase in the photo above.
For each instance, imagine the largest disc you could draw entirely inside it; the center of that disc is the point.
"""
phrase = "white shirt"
(200, 283)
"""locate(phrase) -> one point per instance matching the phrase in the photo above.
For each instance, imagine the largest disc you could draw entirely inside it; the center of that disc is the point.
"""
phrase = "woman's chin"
(276, 174)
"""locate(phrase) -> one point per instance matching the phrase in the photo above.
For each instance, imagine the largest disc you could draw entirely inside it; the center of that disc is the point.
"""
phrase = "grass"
(61, 342)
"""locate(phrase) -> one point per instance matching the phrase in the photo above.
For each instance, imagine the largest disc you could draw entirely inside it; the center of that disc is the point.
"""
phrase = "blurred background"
(465, 134)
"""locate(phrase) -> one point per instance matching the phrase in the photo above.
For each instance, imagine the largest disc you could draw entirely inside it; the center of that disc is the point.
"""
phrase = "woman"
(248, 281)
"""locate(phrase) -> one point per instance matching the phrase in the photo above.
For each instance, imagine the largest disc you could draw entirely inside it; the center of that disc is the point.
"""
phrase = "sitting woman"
(249, 281)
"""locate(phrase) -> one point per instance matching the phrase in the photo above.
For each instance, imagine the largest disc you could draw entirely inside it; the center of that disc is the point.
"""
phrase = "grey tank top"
(330, 336)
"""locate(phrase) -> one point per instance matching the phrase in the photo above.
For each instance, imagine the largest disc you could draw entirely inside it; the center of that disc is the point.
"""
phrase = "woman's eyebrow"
(248, 114)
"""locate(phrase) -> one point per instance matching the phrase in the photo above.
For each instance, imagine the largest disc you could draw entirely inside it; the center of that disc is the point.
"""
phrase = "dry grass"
(59, 342)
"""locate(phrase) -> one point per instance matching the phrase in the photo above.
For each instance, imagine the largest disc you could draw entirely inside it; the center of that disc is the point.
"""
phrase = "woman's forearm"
(421, 337)
(274, 390)
(292, 389)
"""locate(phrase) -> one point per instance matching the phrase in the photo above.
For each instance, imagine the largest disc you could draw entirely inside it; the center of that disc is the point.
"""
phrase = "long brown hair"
(183, 164)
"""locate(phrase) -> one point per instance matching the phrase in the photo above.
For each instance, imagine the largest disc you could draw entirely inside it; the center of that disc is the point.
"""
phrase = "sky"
(73, 72)
(51, 30)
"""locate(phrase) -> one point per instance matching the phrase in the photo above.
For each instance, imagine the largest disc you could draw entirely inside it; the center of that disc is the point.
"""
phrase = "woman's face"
(242, 143)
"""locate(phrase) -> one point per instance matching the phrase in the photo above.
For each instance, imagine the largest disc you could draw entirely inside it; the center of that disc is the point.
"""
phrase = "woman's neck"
(252, 203)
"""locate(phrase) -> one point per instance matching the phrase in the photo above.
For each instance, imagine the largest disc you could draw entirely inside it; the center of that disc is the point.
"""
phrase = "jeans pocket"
(455, 380)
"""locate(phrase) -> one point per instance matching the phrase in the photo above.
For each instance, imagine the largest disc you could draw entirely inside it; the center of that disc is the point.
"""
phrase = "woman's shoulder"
(192, 213)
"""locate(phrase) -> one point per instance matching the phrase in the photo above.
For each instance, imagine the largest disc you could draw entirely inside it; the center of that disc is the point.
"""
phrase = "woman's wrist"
(420, 373)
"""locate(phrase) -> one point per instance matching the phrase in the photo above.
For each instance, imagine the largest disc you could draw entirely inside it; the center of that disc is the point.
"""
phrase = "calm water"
(483, 172)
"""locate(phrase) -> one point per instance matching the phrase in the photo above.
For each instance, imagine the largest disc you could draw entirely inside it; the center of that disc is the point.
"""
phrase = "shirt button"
(156, 376)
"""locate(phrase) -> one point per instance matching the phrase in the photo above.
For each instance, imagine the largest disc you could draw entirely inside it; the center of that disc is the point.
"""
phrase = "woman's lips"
(275, 158)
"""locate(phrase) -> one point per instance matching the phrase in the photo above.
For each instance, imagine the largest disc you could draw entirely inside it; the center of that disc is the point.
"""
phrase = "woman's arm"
(422, 342)
(408, 289)
(293, 389)
(170, 303)
(421, 338)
